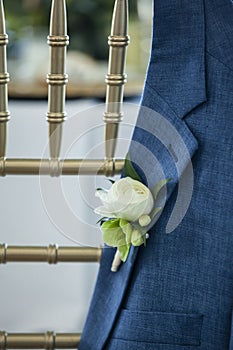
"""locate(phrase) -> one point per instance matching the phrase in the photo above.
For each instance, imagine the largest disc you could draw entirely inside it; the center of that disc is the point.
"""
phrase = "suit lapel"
(177, 65)
(175, 85)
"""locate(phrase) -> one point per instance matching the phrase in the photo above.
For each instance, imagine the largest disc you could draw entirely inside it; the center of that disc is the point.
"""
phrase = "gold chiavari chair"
(54, 166)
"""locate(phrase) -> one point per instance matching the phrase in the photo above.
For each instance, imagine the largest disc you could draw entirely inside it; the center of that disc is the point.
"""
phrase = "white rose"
(127, 199)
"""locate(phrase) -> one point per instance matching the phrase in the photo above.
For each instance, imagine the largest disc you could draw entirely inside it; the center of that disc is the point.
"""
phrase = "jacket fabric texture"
(177, 292)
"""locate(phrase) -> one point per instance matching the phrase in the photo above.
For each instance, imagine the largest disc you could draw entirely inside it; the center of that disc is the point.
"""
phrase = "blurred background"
(39, 297)
(89, 24)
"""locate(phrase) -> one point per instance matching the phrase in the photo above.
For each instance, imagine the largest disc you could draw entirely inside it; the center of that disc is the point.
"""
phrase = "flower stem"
(116, 262)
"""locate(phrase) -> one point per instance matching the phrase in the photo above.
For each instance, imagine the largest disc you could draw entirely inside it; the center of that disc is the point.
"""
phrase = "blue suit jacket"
(177, 293)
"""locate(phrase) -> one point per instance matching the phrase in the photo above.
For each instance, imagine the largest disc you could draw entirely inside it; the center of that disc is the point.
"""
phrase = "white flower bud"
(144, 220)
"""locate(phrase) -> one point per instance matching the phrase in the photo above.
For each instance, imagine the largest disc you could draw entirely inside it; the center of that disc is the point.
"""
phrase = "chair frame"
(54, 166)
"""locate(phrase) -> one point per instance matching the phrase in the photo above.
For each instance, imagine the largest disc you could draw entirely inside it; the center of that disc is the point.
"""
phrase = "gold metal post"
(60, 167)
(57, 78)
(48, 340)
(51, 254)
(116, 77)
(4, 79)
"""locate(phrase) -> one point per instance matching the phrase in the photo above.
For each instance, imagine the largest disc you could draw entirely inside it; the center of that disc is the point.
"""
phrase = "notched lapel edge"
(177, 65)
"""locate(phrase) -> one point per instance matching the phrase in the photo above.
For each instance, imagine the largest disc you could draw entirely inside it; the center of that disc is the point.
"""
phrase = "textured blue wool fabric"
(177, 293)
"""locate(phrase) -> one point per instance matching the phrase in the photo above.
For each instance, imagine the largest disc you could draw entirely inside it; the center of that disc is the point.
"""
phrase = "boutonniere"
(127, 210)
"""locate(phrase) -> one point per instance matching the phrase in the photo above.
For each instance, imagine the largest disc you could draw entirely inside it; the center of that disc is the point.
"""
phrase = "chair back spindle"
(57, 77)
(116, 77)
(4, 79)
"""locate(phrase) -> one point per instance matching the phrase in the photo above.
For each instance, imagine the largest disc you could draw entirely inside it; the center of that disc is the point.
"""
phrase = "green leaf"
(124, 251)
(99, 189)
(111, 224)
(129, 169)
(159, 186)
(127, 229)
(155, 212)
(112, 233)
(138, 237)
